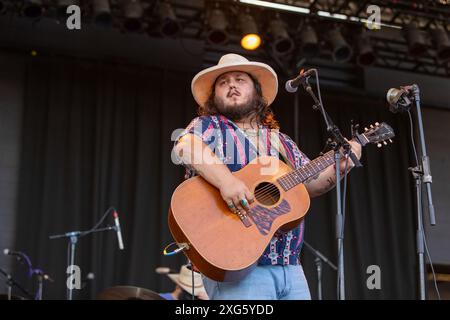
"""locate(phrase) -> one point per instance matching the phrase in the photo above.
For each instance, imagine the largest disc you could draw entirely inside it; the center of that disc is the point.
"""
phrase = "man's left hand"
(356, 149)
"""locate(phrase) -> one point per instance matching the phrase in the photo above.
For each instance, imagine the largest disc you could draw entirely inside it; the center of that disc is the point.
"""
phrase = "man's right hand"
(233, 191)
(205, 162)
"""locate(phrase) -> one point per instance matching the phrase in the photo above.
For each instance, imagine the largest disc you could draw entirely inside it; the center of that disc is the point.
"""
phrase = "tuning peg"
(377, 124)
(379, 145)
(385, 143)
(365, 129)
(390, 140)
(371, 126)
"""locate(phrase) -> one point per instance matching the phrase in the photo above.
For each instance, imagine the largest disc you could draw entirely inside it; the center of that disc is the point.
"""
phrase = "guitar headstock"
(378, 133)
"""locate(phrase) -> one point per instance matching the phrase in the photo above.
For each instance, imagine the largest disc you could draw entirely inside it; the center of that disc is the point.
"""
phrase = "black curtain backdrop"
(97, 135)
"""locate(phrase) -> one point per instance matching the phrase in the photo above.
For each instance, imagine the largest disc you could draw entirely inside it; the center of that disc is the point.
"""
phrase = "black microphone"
(118, 231)
(17, 254)
(292, 85)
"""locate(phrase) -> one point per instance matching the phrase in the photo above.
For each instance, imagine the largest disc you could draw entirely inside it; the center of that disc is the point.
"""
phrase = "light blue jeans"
(264, 282)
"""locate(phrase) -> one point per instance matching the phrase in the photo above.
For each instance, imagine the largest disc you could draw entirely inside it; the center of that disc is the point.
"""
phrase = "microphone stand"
(421, 174)
(318, 261)
(73, 240)
(41, 276)
(338, 142)
(10, 282)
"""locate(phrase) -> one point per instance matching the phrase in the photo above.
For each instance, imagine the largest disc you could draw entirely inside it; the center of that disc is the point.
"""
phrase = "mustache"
(233, 91)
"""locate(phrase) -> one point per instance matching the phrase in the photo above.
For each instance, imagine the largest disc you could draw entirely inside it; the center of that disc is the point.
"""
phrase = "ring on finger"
(230, 205)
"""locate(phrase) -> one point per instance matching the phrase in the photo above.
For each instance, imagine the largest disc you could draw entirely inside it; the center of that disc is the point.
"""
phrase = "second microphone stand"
(338, 143)
(319, 258)
(73, 240)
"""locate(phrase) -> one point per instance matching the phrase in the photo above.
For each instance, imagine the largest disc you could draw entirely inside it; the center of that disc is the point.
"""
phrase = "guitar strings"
(267, 192)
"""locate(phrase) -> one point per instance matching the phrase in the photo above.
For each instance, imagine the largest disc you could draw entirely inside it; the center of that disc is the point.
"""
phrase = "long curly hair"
(263, 113)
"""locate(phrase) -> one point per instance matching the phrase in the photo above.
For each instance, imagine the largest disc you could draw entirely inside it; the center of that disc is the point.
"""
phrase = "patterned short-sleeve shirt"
(232, 146)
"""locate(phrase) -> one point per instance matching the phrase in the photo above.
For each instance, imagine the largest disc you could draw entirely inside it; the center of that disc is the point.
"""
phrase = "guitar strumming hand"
(234, 191)
(192, 151)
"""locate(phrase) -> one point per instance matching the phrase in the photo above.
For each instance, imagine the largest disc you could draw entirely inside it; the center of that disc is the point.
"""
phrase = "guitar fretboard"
(307, 171)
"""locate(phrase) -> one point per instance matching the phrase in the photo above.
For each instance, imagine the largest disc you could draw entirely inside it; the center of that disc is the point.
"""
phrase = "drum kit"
(128, 293)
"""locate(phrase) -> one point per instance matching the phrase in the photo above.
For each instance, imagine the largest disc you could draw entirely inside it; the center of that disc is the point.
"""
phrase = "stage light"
(250, 39)
(217, 24)
(442, 43)
(132, 12)
(102, 12)
(366, 55)
(278, 6)
(341, 51)
(169, 25)
(282, 42)
(417, 44)
(32, 8)
(309, 43)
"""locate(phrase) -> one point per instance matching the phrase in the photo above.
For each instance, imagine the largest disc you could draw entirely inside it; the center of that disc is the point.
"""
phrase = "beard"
(235, 111)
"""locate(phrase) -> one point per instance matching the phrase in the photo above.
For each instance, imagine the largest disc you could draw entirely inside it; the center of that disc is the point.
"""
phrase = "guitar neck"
(376, 134)
(307, 171)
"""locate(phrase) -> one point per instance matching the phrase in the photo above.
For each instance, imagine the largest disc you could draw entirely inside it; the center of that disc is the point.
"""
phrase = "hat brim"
(202, 83)
(197, 290)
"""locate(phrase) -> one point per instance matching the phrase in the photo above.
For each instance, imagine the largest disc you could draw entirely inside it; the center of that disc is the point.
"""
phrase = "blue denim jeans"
(264, 282)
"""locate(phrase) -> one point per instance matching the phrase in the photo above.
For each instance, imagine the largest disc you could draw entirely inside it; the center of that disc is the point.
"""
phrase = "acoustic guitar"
(225, 246)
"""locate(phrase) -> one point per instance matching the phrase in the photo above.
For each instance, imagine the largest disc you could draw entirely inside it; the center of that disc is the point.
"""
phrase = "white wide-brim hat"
(202, 82)
(184, 280)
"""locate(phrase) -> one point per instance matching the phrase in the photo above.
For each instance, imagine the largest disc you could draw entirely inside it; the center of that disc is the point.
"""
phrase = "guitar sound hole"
(267, 193)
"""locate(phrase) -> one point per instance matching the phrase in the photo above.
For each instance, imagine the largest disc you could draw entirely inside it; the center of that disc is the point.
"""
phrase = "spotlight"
(415, 38)
(217, 23)
(442, 43)
(309, 45)
(132, 12)
(102, 12)
(282, 42)
(342, 52)
(32, 8)
(366, 55)
(169, 25)
(250, 39)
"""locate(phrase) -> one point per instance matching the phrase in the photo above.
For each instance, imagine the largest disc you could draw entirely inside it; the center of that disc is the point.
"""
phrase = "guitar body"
(223, 246)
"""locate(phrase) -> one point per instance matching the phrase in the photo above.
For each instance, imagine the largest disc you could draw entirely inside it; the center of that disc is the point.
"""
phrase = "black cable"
(98, 223)
(413, 142)
(327, 119)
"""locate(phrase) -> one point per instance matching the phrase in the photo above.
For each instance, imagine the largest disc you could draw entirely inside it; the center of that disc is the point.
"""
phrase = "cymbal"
(128, 293)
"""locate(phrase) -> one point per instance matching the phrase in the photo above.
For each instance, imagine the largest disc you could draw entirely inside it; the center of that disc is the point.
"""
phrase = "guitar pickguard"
(264, 217)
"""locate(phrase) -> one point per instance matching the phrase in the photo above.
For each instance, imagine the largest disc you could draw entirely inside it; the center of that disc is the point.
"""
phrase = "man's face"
(235, 95)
